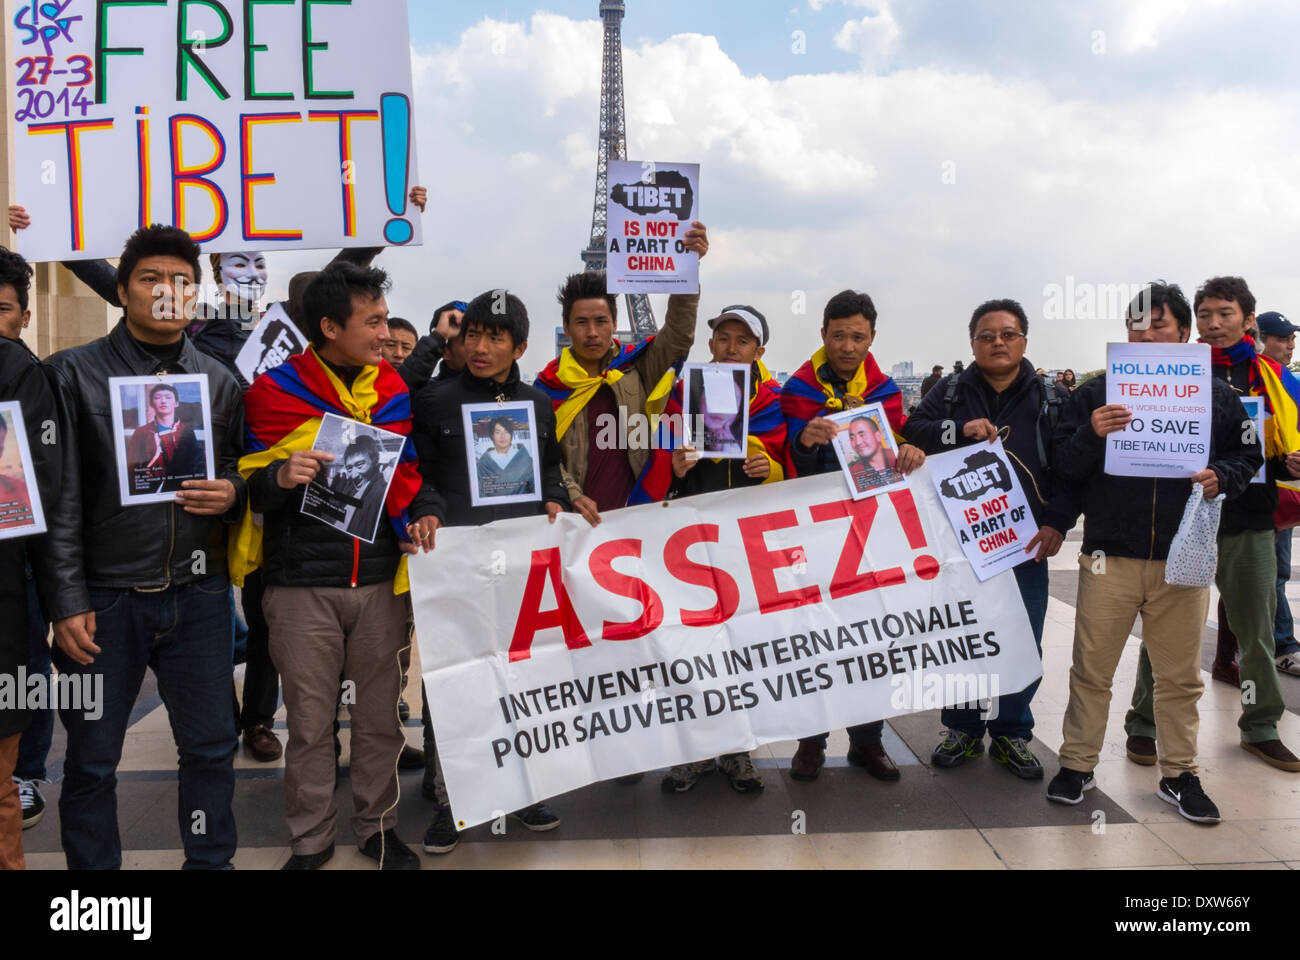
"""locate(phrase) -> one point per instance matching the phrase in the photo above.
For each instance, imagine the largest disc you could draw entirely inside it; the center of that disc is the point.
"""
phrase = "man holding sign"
(1000, 394)
(842, 375)
(141, 586)
(1129, 525)
(333, 601)
(1246, 578)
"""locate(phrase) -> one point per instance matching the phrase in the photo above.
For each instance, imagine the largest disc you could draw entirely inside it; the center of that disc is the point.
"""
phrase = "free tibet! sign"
(251, 124)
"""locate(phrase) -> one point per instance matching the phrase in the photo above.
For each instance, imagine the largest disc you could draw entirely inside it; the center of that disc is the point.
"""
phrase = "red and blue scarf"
(1277, 385)
(808, 396)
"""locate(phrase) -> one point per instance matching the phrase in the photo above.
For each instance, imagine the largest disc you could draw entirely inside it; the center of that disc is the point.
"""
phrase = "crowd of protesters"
(326, 616)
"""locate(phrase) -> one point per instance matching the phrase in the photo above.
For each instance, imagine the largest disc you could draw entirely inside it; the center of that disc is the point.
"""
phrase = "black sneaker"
(1186, 794)
(956, 749)
(538, 818)
(309, 861)
(389, 852)
(1068, 786)
(33, 803)
(442, 835)
(411, 758)
(1013, 753)
(685, 775)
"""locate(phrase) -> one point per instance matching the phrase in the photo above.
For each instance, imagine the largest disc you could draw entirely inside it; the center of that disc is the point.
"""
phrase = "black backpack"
(1049, 408)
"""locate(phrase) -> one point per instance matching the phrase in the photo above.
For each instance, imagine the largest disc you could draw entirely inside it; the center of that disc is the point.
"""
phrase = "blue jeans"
(1283, 624)
(1015, 719)
(183, 635)
(34, 747)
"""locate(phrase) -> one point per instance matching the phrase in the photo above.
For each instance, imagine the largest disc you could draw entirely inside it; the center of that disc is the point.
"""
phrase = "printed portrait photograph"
(20, 499)
(501, 450)
(350, 491)
(164, 434)
(716, 409)
(867, 451)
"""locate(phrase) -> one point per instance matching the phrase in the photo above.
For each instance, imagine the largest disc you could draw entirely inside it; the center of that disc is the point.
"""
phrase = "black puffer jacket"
(22, 379)
(440, 442)
(1023, 409)
(1136, 516)
(302, 551)
(93, 538)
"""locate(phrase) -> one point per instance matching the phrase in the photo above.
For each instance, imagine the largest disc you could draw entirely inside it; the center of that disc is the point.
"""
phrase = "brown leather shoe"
(1226, 673)
(1142, 750)
(875, 760)
(263, 744)
(806, 764)
(1274, 754)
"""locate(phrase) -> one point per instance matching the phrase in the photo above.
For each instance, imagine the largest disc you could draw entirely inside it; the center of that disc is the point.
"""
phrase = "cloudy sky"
(935, 153)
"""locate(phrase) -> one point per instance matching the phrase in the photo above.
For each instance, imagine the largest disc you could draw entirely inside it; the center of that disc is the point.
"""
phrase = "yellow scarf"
(244, 552)
(856, 387)
(584, 386)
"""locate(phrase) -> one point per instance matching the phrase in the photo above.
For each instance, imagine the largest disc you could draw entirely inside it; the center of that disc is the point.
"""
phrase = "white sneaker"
(1289, 663)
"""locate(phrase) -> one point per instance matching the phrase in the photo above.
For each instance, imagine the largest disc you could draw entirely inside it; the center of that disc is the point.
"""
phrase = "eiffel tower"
(613, 146)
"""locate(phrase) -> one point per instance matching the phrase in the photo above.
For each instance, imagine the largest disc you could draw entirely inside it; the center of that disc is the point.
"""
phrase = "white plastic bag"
(1194, 554)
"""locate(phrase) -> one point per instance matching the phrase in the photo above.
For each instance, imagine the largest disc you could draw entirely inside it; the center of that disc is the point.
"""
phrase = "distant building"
(911, 387)
(901, 370)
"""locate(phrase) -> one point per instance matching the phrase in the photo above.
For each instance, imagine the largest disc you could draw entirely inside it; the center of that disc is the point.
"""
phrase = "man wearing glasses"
(1002, 395)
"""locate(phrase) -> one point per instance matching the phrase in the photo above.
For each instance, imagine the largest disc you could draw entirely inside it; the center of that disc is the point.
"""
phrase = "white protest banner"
(273, 342)
(253, 126)
(1167, 386)
(990, 514)
(557, 655)
(650, 208)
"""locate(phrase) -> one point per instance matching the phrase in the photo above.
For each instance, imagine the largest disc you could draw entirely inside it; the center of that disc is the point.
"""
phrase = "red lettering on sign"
(847, 581)
(634, 588)
(701, 575)
(763, 563)
(532, 619)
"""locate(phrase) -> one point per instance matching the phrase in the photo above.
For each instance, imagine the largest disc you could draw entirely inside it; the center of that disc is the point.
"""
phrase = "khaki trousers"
(317, 635)
(1173, 623)
(11, 807)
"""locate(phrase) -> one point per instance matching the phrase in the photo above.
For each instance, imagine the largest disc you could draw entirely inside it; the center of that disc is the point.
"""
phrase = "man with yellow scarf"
(605, 395)
(1225, 310)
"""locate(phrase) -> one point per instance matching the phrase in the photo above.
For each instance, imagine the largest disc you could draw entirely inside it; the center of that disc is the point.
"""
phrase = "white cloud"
(830, 180)
(871, 37)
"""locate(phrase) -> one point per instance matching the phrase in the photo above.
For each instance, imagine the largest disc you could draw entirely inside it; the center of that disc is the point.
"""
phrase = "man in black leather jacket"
(492, 343)
(147, 585)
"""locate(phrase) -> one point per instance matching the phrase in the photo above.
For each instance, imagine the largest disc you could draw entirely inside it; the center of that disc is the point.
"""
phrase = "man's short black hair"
(330, 295)
(163, 388)
(999, 306)
(502, 421)
(936, 369)
(497, 310)
(849, 303)
(367, 445)
(158, 241)
(437, 314)
(397, 323)
(586, 286)
(17, 273)
(1226, 288)
(1169, 297)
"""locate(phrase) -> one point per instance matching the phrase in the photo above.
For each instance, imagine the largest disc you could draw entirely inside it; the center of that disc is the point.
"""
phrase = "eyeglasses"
(1006, 336)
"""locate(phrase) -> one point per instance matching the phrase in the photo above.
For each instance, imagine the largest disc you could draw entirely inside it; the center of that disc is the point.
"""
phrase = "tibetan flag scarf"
(1280, 390)
(807, 395)
(283, 411)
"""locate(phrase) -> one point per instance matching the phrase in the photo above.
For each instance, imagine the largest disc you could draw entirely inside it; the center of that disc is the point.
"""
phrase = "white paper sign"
(867, 451)
(557, 655)
(989, 511)
(20, 494)
(163, 430)
(273, 342)
(715, 409)
(350, 493)
(1167, 386)
(501, 453)
(253, 126)
(650, 208)
(1255, 410)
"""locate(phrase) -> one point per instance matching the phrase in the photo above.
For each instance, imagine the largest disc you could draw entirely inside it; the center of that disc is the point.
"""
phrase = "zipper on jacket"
(1151, 554)
(356, 560)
